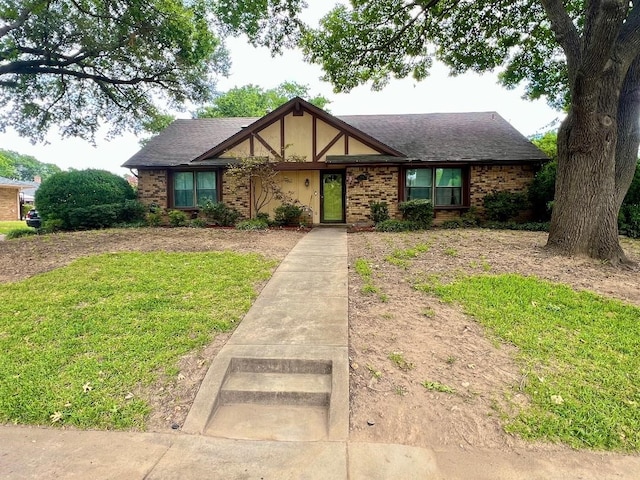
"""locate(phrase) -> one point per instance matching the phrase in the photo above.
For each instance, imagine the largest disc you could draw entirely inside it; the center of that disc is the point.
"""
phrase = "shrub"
(198, 223)
(52, 225)
(288, 214)
(633, 194)
(20, 232)
(253, 224)
(418, 211)
(379, 212)
(502, 206)
(629, 220)
(398, 226)
(218, 213)
(132, 211)
(177, 218)
(63, 192)
(264, 216)
(154, 219)
(526, 226)
(542, 190)
(93, 217)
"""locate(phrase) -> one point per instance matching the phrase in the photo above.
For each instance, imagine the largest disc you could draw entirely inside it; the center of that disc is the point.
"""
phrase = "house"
(348, 162)
(10, 200)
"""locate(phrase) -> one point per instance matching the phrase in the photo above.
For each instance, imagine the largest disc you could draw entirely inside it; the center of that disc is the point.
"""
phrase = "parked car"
(33, 219)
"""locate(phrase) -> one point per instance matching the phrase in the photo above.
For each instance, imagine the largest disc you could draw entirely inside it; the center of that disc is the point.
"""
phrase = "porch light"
(306, 182)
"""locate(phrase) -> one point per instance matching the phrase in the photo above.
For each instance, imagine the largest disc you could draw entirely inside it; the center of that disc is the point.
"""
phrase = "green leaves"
(80, 64)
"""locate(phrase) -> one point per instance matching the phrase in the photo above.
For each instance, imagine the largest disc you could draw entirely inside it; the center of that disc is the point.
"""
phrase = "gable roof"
(438, 137)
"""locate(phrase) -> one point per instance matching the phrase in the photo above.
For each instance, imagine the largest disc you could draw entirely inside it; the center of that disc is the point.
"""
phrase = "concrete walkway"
(300, 318)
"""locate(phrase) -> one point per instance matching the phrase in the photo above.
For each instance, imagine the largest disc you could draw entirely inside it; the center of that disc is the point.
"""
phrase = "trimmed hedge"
(418, 211)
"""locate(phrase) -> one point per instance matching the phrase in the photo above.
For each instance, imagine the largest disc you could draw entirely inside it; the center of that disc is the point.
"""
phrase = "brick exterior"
(236, 194)
(380, 186)
(9, 206)
(152, 187)
(486, 179)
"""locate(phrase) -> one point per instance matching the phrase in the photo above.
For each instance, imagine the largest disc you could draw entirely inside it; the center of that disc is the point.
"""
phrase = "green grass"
(437, 387)
(399, 361)
(363, 269)
(580, 354)
(7, 226)
(400, 257)
(107, 326)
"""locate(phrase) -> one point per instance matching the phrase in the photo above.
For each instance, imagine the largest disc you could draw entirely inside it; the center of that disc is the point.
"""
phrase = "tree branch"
(628, 42)
(566, 34)
(24, 14)
(603, 19)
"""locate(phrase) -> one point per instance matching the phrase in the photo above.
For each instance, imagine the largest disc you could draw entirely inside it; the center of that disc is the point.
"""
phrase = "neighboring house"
(10, 198)
(453, 159)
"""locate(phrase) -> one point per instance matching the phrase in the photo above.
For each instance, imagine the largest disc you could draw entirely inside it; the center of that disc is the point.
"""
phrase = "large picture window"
(191, 189)
(443, 186)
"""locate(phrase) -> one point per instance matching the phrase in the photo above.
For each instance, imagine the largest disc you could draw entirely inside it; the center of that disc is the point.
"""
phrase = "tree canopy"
(78, 64)
(24, 167)
(582, 56)
(254, 101)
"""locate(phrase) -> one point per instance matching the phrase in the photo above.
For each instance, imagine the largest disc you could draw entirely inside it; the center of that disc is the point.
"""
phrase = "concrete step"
(276, 389)
(269, 422)
(279, 365)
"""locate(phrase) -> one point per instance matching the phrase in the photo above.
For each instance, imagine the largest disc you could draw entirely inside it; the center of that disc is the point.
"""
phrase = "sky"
(438, 93)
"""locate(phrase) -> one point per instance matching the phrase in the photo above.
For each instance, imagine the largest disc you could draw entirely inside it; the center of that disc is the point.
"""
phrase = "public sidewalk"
(302, 311)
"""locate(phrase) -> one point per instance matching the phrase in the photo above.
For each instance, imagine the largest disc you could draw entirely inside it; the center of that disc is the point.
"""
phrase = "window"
(419, 183)
(191, 189)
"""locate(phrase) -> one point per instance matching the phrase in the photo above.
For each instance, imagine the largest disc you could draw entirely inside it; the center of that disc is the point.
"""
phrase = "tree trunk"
(585, 212)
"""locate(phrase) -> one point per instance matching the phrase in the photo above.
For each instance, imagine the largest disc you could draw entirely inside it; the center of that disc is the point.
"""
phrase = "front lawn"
(7, 226)
(579, 353)
(79, 344)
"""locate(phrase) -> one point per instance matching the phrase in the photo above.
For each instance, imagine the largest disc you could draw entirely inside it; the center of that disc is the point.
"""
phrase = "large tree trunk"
(585, 213)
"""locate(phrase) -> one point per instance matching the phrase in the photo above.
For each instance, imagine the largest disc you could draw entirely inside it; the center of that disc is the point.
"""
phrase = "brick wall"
(381, 186)
(488, 178)
(9, 204)
(237, 194)
(152, 187)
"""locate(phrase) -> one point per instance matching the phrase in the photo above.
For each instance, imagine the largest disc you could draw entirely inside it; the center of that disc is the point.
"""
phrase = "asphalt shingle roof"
(476, 136)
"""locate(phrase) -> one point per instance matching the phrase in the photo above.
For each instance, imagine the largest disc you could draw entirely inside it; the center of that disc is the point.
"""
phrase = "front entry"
(332, 197)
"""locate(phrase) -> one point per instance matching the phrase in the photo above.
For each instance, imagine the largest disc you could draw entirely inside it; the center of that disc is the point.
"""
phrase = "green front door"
(332, 197)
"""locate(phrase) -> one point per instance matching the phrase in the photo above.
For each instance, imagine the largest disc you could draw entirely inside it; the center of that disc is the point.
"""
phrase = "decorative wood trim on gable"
(318, 155)
(265, 144)
(298, 107)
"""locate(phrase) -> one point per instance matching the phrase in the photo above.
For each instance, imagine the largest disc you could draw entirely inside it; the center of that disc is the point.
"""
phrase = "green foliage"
(109, 328)
(629, 220)
(92, 217)
(198, 223)
(24, 167)
(379, 212)
(548, 143)
(67, 196)
(398, 226)
(542, 191)
(419, 211)
(99, 62)
(578, 351)
(132, 211)
(252, 224)
(219, 213)
(437, 387)
(525, 226)
(503, 205)
(466, 220)
(400, 361)
(20, 232)
(633, 194)
(178, 218)
(154, 219)
(288, 214)
(254, 101)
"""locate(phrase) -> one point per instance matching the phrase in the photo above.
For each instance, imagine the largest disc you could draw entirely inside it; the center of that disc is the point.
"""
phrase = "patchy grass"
(580, 355)
(437, 387)
(399, 361)
(363, 269)
(7, 226)
(105, 327)
(400, 257)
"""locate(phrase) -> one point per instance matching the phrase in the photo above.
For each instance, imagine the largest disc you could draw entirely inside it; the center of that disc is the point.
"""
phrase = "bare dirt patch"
(438, 344)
